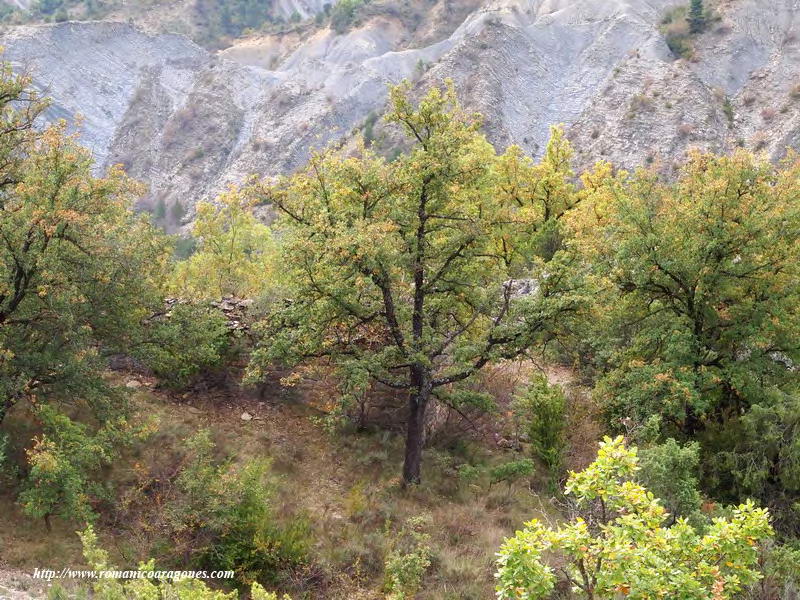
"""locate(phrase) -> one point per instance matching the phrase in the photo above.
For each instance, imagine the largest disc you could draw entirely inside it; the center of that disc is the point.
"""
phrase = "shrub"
(759, 141)
(697, 17)
(619, 546)
(65, 461)
(468, 474)
(407, 562)
(188, 339)
(369, 128)
(675, 28)
(177, 212)
(160, 210)
(5, 466)
(235, 256)
(150, 588)
(343, 14)
(727, 108)
(232, 18)
(639, 103)
(670, 471)
(540, 412)
(781, 566)
(511, 472)
(225, 510)
(184, 247)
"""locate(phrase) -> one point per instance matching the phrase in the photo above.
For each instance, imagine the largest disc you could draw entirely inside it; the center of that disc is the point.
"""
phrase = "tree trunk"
(415, 431)
(8, 402)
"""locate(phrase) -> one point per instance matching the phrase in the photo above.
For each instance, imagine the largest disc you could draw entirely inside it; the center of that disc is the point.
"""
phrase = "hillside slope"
(188, 121)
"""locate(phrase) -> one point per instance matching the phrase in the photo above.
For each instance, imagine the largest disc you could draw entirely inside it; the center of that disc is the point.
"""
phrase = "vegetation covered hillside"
(454, 372)
(209, 22)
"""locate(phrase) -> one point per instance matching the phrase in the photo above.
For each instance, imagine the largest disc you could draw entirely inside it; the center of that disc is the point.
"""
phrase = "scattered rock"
(246, 416)
(233, 309)
(194, 410)
(522, 287)
(133, 384)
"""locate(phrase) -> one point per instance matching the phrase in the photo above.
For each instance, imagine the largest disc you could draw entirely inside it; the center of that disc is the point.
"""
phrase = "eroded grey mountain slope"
(189, 122)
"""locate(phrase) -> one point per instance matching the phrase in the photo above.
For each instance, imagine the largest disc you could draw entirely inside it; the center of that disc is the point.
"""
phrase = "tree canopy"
(235, 252)
(697, 290)
(80, 275)
(406, 273)
(78, 268)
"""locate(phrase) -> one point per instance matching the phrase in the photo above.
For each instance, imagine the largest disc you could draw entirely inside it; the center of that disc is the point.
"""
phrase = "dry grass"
(347, 485)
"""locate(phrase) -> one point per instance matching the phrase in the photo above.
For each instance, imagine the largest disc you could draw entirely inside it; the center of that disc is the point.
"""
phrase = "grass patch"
(338, 497)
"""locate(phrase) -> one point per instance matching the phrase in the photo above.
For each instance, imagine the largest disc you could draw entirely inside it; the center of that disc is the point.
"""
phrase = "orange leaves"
(718, 590)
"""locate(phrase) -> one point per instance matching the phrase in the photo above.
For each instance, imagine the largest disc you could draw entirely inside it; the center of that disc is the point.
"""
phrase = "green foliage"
(344, 13)
(511, 471)
(540, 410)
(369, 127)
(160, 209)
(184, 247)
(220, 21)
(235, 253)
(758, 454)
(468, 473)
(8, 470)
(623, 549)
(680, 24)
(696, 313)
(187, 340)
(7, 13)
(670, 472)
(406, 269)
(48, 7)
(149, 588)
(407, 562)
(224, 516)
(781, 568)
(64, 464)
(727, 108)
(78, 273)
(60, 10)
(177, 212)
(675, 28)
(697, 17)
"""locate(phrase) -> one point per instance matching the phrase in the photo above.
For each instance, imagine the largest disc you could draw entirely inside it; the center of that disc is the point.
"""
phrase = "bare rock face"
(189, 122)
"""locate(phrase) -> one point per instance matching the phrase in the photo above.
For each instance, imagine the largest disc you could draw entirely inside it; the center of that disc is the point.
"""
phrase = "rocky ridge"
(189, 122)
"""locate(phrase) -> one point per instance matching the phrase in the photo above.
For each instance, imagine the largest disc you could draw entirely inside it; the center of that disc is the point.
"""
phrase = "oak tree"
(234, 254)
(618, 544)
(697, 314)
(409, 273)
